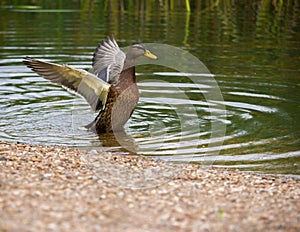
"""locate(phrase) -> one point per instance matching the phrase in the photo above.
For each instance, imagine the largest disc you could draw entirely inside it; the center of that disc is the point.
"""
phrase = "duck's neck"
(129, 62)
(127, 78)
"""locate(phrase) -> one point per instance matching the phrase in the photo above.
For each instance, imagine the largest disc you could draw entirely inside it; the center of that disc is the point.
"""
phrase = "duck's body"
(111, 88)
(121, 101)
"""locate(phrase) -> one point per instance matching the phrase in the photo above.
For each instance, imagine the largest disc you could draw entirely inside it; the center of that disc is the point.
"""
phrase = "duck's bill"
(150, 55)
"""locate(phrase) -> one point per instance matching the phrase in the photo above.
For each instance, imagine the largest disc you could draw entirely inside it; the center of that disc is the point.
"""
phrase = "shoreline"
(56, 188)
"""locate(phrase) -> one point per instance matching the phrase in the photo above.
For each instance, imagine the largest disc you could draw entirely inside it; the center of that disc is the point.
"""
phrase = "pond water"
(252, 50)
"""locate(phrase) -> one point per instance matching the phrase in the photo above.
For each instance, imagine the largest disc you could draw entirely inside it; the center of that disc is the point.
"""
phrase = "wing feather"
(93, 89)
(108, 54)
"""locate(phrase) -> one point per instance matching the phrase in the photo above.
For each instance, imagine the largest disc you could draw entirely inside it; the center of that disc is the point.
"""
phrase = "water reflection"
(38, 112)
(252, 48)
(119, 141)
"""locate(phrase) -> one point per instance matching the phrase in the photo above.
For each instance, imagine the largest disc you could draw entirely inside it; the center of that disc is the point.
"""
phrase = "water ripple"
(39, 112)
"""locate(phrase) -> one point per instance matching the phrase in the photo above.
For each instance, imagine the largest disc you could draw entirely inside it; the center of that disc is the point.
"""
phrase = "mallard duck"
(110, 88)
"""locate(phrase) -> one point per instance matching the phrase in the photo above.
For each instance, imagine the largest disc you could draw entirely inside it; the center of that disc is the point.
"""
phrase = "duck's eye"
(138, 46)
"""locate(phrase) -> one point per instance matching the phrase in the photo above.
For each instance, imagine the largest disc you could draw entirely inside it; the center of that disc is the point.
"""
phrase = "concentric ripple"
(261, 123)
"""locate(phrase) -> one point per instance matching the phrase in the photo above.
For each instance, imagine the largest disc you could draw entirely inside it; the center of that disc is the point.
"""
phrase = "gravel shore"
(64, 189)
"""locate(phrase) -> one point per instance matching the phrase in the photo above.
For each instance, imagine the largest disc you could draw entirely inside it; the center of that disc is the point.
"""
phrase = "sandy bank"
(64, 189)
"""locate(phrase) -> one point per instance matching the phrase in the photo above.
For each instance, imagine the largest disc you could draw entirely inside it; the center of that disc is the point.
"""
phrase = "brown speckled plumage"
(121, 102)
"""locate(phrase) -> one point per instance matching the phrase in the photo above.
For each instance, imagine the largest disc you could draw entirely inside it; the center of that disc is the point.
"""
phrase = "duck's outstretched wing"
(108, 60)
(93, 89)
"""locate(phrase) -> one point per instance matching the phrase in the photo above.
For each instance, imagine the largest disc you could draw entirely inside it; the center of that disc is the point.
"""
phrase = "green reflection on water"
(252, 46)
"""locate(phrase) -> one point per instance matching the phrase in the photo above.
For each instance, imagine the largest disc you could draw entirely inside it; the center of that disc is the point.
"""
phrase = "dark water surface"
(251, 48)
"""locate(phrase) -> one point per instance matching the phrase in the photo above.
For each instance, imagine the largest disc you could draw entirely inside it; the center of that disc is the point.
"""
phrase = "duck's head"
(137, 50)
